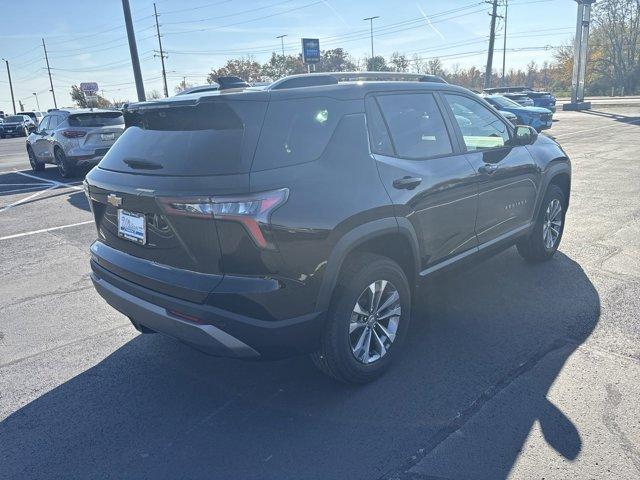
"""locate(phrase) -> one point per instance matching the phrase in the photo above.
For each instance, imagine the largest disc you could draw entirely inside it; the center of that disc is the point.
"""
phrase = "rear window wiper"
(142, 164)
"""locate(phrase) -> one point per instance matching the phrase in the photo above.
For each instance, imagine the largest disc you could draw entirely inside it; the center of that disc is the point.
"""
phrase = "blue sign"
(310, 50)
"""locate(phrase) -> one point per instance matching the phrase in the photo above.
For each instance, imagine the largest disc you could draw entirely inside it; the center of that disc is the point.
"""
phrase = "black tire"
(65, 167)
(36, 165)
(533, 248)
(335, 356)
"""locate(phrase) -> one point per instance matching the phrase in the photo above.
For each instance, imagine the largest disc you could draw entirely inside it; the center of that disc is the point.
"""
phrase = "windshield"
(503, 102)
(96, 119)
(14, 118)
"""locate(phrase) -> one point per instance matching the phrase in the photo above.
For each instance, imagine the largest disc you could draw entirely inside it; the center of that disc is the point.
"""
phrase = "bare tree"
(617, 35)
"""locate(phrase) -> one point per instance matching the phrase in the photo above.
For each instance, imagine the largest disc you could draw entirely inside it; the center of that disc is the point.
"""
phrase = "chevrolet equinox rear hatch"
(158, 193)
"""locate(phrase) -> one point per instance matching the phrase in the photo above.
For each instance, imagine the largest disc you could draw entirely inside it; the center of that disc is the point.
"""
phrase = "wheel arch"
(392, 237)
(557, 173)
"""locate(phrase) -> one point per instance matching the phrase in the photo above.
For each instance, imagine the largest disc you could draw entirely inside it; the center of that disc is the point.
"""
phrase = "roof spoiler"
(332, 78)
(231, 81)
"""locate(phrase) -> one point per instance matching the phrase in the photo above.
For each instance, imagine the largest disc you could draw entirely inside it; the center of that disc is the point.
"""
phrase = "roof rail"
(332, 78)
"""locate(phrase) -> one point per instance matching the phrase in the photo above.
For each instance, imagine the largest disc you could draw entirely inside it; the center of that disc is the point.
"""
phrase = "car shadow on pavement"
(154, 408)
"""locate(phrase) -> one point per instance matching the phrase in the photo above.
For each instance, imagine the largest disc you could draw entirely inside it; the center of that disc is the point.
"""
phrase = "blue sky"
(87, 40)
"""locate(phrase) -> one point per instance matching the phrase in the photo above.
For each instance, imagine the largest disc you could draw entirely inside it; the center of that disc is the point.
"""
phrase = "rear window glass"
(96, 119)
(14, 118)
(210, 138)
(297, 131)
(416, 125)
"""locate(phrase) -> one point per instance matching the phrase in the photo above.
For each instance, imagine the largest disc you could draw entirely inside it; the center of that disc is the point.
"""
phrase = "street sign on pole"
(310, 50)
(89, 88)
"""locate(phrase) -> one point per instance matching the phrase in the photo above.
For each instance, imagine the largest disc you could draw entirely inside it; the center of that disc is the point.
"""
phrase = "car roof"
(339, 85)
(73, 111)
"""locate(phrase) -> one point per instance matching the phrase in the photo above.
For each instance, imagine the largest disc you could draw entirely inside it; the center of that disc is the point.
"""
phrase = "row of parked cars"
(523, 105)
(20, 124)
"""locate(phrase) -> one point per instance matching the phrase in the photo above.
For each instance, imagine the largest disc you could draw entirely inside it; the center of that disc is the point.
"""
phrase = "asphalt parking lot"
(511, 370)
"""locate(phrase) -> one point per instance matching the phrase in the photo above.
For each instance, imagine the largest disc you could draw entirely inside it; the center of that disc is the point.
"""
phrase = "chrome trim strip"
(473, 250)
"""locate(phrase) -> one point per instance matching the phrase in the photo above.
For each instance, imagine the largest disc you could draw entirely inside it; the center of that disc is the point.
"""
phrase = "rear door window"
(44, 124)
(416, 125)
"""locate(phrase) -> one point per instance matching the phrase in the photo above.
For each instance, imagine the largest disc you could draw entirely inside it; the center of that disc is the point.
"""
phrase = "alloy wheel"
(60, 162)
(374, 321)
(552, 224)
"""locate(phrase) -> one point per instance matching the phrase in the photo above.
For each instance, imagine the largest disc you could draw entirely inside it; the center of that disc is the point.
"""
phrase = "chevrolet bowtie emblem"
(114, 200)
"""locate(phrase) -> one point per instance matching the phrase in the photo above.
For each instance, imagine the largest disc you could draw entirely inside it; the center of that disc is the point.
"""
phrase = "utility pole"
(13, 101)
(581, 49)
(46, 57)
(281, 37)
(504, 47)
(162, 54)
(492, 40)
(133, 49)
(371, 19)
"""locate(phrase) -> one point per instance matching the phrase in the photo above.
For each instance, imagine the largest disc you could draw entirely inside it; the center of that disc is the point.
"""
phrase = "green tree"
(78, 97)
(280, 66)
(246, 68)
(336, 60)
(377, 64)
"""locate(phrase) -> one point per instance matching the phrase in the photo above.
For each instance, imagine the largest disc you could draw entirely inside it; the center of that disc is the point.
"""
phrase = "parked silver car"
(73, 138)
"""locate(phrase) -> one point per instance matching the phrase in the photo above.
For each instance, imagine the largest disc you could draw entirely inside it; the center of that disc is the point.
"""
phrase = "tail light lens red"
(253, 211)
(73, 133)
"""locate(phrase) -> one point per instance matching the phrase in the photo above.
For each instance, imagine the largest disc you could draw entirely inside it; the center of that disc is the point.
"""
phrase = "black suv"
(299, 217)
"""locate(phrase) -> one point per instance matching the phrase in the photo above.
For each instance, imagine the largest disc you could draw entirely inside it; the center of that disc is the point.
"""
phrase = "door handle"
(488, 168)
(407, 183)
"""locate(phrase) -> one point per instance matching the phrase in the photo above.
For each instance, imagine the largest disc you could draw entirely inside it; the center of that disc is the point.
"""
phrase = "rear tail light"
(73, 133)
(252, 211)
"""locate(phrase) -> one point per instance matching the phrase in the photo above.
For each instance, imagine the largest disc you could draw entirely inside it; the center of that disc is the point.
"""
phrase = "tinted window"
(416, 125)
(54, 121)
(481, 128)
(96, 119)
(14, 119)
(378, 133)
(44, 124)
(209, 138)
(297, 131)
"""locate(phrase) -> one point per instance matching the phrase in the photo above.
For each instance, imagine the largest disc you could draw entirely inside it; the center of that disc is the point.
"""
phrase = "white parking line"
(18, 190)
(26, 199)
(60, 184)
(44, 230)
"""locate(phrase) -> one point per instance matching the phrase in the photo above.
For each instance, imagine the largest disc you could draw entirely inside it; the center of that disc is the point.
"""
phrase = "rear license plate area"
(132, 226)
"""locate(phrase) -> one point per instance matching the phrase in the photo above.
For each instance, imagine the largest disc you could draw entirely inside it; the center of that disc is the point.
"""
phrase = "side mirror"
(525, 135)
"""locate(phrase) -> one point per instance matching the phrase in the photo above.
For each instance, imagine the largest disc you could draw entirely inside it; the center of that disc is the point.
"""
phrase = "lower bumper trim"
(207, 338)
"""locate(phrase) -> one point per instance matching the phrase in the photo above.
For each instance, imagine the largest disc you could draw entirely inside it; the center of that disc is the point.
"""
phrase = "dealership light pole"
(281, 37)
(371, 19)
(37, 102)
(580, 51)
(13, 101)
(133, 49)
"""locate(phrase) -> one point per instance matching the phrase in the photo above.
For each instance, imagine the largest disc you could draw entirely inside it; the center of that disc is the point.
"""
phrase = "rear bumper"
(207, 338)
(210, 329)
